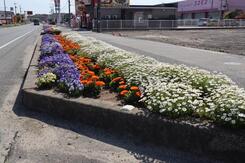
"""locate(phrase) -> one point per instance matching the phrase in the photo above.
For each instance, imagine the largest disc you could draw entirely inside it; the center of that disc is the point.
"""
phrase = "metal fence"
(164, 24)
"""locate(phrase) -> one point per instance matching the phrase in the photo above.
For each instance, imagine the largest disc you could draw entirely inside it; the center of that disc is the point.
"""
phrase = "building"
(9, 17)
(40, 17)
(121, 10)
(134, 12)
(195, 9)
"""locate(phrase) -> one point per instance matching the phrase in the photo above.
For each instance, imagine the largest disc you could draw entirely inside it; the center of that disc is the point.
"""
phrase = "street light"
(5, 12)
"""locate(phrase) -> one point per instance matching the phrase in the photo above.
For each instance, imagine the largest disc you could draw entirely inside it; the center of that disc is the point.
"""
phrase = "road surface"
(32, 137)
(229, 64)
(16, 44)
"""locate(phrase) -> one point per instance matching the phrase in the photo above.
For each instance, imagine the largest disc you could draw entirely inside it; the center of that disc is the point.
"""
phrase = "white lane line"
(10, 42)
(232, 63)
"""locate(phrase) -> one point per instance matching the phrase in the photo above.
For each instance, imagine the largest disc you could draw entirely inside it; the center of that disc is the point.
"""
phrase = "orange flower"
(134, 88)
(91, 73)
(138, 94)
(123, 86)
(100, 83)
(124, 92)
(94, 77)
(89, 82)
(122, 83)
(96, 66)
(84, 82)
(117, 79)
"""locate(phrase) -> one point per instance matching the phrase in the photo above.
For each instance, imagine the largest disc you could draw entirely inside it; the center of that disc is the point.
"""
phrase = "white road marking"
(232, 63)
(10, 42)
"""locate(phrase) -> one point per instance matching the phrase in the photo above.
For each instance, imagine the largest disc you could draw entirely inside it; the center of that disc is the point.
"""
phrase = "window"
(108, 16)
(115, 16)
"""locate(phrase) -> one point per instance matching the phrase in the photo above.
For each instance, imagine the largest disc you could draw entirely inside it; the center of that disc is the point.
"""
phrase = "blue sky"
(43, 6)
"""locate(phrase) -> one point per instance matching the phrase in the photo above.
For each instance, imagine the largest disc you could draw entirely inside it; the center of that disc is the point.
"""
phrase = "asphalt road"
(16, 44)
(230, 64)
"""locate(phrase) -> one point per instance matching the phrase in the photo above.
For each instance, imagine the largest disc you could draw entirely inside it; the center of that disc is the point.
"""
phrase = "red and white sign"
(57, 3)
(80, 6)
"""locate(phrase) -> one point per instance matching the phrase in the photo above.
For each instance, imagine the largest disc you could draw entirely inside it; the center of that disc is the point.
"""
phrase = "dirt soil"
(229, 40)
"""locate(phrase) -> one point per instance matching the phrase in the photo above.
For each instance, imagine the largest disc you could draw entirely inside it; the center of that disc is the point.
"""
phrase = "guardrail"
(164, 24)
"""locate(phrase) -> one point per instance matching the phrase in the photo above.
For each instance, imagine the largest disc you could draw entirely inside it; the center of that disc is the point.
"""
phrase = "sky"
(44, 6)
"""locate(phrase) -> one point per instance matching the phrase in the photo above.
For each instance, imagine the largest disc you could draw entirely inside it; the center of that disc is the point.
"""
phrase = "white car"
(203, 22)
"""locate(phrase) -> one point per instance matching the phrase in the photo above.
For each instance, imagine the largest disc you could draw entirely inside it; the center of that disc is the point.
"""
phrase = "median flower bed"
(61, 68)
(175, 91)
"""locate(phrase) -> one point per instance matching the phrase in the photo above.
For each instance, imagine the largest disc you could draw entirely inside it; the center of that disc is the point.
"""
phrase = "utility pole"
(20, 15)
(98, 16)
(5, 12)
(69, 8)
(221, 9)
(20, 9)
(15, 8)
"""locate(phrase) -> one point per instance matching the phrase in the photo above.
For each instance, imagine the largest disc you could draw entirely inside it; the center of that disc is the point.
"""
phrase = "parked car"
(1, 23)
(203, 22)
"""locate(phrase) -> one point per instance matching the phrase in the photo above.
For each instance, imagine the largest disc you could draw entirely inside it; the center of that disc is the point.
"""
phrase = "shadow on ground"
(143, 151)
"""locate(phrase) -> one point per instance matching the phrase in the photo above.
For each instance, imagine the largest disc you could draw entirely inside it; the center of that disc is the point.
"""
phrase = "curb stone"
(217, 142)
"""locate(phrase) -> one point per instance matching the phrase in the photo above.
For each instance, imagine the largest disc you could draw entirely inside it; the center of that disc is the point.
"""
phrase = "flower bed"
(48, 29)
(172, 90)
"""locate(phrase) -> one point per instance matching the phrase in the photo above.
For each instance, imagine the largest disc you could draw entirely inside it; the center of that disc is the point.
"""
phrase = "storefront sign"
(80, 6)
(195, 5)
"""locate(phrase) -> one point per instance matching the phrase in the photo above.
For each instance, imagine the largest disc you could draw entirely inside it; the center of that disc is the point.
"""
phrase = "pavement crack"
(11, 147)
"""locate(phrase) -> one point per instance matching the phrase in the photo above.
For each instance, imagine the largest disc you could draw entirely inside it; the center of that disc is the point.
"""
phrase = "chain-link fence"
(165, 24)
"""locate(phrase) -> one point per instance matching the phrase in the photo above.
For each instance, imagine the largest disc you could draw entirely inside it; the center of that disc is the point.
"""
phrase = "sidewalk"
(229, 64)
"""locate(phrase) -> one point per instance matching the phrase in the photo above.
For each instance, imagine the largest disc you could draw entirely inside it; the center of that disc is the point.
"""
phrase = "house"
(9, 17)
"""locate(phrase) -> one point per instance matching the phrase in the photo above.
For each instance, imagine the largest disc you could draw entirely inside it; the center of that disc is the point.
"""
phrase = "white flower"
(171, 87)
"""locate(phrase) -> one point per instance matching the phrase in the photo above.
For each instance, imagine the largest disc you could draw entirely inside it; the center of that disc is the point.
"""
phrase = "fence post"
(93, 24)
(120, 24)
(107, 24)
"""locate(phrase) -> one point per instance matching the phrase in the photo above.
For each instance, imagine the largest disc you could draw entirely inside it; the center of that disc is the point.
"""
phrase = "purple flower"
(50, 46)
(53, 59)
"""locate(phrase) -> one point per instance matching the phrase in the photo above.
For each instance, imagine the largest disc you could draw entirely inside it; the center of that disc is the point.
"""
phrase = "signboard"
(29, 13)
(57, 3)
(80, 6)
(115, 3)
(195, 5)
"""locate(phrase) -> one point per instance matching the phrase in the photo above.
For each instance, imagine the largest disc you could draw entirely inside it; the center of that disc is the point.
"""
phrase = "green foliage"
(46, 81)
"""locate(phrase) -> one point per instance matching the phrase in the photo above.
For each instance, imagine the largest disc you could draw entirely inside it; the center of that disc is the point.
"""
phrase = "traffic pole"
(5, 12)
(98, 16)
(69, 7)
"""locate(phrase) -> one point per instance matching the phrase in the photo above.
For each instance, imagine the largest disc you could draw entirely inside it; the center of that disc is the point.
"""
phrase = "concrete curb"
(217, 142)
